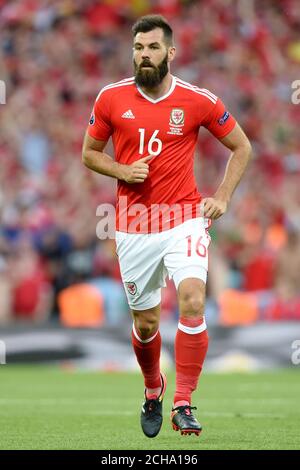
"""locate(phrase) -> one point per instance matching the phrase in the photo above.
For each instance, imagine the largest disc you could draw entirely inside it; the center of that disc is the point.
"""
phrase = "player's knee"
(146, 327)
(192, 305)
(146, 330)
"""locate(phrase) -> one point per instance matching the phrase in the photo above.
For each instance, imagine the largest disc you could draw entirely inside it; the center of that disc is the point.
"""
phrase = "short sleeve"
(218, 120)
(99, 124)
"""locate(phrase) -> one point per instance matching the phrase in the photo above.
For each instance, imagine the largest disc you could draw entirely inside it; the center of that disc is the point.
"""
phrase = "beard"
(152, 77)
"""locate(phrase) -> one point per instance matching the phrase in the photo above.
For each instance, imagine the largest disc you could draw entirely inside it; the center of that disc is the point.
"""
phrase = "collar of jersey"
(171, 89)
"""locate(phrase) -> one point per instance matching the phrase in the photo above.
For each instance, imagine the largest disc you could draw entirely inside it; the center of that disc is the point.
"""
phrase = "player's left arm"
(214, 207)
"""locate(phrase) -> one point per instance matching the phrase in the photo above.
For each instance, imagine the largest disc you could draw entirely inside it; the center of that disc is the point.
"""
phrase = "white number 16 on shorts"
(146, 259)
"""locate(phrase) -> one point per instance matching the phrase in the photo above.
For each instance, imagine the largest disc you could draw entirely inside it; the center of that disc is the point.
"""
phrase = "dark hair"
(149, 22)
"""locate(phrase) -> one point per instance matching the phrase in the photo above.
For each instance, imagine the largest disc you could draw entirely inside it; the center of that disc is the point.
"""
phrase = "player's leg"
(146, 341)
(191, 341)
(187, 260)
(142, 273)
(191, 344)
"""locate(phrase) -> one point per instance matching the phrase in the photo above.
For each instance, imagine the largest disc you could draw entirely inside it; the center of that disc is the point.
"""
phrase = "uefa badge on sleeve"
(92, 119)
(224, 118)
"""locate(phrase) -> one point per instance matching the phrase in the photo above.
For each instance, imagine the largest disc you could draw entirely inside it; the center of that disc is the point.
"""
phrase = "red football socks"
(191, 344)
(147, 352)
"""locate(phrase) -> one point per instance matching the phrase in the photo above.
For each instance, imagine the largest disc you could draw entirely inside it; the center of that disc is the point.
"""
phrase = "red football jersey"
(168, 128)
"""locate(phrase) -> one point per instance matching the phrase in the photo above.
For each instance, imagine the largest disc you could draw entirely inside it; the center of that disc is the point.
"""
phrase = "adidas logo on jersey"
(128, 115)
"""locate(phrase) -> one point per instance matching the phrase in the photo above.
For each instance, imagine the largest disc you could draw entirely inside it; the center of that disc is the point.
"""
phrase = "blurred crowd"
(54, 59)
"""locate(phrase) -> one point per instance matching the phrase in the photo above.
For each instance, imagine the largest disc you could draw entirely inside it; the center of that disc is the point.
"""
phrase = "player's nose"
(145, 54)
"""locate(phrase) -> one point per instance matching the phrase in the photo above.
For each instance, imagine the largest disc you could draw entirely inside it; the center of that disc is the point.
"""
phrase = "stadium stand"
(55, 57)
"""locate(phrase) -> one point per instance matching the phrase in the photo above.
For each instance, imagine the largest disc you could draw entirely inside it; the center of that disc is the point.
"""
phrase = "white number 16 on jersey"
(152, 142)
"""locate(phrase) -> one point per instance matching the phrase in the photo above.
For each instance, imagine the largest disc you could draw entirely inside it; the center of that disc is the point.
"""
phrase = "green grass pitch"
(49, 408)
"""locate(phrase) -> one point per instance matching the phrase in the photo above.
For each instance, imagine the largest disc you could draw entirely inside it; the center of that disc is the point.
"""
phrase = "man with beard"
(154, 120)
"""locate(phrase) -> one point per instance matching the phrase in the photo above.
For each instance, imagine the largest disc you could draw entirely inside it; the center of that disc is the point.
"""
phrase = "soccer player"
(154, 120)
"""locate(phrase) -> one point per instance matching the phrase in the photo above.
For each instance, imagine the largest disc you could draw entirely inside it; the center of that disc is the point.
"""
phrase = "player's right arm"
(99, 130)
(94, 157)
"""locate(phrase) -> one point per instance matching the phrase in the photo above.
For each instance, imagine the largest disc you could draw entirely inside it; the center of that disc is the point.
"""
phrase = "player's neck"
(161, 90)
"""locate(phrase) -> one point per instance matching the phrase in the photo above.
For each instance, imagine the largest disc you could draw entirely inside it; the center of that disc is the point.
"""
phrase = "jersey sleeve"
(100, 127)
(218, 120)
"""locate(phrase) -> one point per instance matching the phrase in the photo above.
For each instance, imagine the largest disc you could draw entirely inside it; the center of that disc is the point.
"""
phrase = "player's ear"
(171, 53)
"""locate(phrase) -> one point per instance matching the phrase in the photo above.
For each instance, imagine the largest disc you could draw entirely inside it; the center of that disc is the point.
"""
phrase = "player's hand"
(213, 207)
(137, 172)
